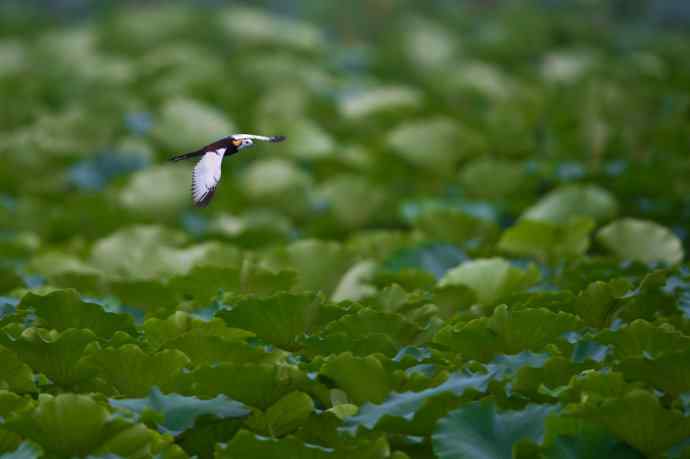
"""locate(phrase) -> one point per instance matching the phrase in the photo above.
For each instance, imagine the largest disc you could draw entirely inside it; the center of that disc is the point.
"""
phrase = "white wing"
(206, 177)
(272, 138)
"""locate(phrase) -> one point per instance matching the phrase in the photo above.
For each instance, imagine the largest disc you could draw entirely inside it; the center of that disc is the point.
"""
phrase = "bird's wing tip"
(277, 138)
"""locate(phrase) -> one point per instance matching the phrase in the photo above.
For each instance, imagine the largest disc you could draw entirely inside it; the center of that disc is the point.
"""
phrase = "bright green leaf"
(641, 240)
(490, 278)
(569, 201)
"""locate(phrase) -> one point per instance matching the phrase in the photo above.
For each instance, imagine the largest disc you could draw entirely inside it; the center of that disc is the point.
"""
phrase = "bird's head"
(241, 141)
(239, 144)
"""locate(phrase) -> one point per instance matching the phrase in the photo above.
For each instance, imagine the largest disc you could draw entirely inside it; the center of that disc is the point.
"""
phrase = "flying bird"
(206, 173)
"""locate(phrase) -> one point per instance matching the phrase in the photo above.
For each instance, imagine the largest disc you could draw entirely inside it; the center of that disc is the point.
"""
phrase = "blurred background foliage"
(474, 188)
(464, 103)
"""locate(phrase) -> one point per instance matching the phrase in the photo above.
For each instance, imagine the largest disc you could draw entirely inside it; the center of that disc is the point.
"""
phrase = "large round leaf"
(478, 431)
(641, 240)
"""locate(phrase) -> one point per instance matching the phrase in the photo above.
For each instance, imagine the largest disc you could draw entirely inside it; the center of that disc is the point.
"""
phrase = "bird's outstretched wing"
(206, 176)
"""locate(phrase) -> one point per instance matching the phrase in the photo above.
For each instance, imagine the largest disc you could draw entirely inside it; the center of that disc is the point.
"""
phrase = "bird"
(206, 175)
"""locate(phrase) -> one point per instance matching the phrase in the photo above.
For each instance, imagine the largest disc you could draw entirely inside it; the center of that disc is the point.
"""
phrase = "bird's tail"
(191, 154)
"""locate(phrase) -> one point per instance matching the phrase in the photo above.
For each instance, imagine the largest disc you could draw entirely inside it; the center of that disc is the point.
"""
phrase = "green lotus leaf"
(597, 385)
(187, 124)
(348, 372)
(455, 300)
(422, 35)
(253, 229)
(643, 339)
(445, 143)
(319, 264)
(490, 278)
(494, 178)
(65, 270)
(281, 319)
(308, 140)
(133, 372)
(579, 273)
(150, 296)
(639, 419)
(56, 355)
(454, 226)
(255, 27)
(11, 403)
(257, 385)
(598, 303)
(201, 285)
(355, 284)
(546, 239)
(63, 309)
(507, 332)
(179, 324)
(394, 298)
(25, 450)
(479, 431)
(568, 437)
(367, 322)
(261, 281)
(561, 204)
(378, 244)
(353, 200)
(75, 425)
(57, 134)
(247, 444)
(20, 244)
(379, 101)
(149, 27)
(553, 374)
(179, 412)
(271, 69)
(9, 279)
(651, 299)
(142, 252)
(276, 181)
(210, 349)
(336, 343)
(416, 412)
(201, 440)
(323, 429)
(15, 375)
(641, 240)
(434, 258)
(161, 186)
(284, 416)
(668, 372)
(482, 78)
(554, 300)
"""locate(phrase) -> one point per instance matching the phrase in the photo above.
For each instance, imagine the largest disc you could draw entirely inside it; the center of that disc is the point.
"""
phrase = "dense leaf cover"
(471, 245)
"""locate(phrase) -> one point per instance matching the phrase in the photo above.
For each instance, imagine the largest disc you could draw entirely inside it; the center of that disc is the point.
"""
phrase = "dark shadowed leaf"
(639, 419)
(478, 430)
